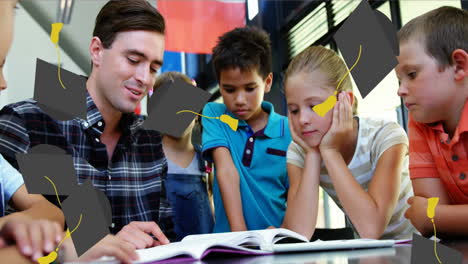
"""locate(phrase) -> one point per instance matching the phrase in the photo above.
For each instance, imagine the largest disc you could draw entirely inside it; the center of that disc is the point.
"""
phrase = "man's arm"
(14, 137)
(229, 185)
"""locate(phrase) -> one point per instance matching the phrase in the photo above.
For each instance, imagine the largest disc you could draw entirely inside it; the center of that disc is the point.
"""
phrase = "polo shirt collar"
(463, 123)
(461, 127)
(275, 125)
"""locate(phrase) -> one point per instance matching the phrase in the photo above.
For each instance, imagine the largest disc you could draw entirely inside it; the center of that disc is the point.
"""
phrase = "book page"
(242, 238)
(333, 245)
(193, 249)
(263, 238)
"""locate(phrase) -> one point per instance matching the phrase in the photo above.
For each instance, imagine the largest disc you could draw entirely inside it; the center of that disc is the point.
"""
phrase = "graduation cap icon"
(376, 34)
(170, 98)
(52, 98)
(422, 252)
(48, 170)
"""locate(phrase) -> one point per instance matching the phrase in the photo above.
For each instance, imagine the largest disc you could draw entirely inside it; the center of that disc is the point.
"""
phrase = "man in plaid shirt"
(110, 147)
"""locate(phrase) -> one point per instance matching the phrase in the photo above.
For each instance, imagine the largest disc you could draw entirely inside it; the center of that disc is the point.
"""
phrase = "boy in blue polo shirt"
(251, 182)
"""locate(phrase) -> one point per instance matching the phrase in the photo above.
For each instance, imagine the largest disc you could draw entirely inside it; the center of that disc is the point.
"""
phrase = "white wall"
(30, 42)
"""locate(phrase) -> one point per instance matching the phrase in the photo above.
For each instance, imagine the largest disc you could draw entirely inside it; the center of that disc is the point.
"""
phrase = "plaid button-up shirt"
(132, 180)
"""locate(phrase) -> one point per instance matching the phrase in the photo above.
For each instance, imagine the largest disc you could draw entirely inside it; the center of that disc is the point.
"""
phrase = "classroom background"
(192, 29)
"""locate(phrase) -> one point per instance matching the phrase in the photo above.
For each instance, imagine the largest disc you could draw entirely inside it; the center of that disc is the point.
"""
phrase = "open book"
(257, 242)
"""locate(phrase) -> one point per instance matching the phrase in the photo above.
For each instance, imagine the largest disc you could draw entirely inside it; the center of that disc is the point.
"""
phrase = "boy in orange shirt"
(433, 74)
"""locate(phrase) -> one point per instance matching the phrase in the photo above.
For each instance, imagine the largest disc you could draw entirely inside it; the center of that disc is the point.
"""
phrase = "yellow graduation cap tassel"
(231, 122)
(323, 108)
(54, 37)
(431, 205)
(53, 255)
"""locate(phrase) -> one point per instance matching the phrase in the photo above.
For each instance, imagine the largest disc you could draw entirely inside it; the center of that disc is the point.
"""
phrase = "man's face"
(6, 32)
(127, 70)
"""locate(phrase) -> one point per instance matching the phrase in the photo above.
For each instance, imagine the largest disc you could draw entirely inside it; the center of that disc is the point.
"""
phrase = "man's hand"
(111, 246)
(417, 214)
(139, 234)
(33, 237)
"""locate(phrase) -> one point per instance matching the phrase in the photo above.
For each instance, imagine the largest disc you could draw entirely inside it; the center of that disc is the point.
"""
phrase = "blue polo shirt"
(260, 159)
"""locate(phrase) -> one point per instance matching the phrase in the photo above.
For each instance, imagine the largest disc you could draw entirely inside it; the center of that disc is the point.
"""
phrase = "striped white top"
(375, 136)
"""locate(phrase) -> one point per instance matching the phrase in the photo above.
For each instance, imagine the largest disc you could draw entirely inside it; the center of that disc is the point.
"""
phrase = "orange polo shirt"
(434, 155)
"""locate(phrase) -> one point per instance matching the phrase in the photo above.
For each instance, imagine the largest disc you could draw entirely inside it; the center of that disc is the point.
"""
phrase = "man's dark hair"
(246, 48)
(125, 15)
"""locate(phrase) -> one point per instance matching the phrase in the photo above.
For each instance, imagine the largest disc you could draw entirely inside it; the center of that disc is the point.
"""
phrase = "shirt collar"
(129, 121)
(275, 125)
(463, 123)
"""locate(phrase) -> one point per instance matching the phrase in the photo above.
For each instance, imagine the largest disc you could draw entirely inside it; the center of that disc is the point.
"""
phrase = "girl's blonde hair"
(326, 60)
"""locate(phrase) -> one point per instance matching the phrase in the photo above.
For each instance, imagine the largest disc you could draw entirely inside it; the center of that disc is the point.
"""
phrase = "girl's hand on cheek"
(299, 140)
(341, 127)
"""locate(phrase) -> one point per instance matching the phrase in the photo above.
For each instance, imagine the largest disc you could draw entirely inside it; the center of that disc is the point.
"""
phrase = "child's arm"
(33, 206)
(11, 254)
(303, 196)
(450, 220)
(369, 211)
(303, 192)
(29, 228)
(228, 180)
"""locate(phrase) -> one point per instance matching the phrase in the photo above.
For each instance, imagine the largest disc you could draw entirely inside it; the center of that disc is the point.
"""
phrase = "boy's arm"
(37, 228)
(450, 220)
(33, 206)
(229, 185)
(11, 254)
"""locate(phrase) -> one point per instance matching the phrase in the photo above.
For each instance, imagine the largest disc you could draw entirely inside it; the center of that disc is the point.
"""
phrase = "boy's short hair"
(118, 16)
(246, 48)
(442, 30)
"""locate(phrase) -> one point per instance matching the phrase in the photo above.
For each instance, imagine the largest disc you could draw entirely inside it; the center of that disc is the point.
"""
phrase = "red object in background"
(193, 26)
(138, 109)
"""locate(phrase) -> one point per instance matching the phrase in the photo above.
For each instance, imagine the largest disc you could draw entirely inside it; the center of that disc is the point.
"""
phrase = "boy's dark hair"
(442, 30)
(117, 16)
(246, 48)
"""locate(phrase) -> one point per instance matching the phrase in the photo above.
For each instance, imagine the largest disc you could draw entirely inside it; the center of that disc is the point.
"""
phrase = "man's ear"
(268, 82)
(95, 51)
(460, 61)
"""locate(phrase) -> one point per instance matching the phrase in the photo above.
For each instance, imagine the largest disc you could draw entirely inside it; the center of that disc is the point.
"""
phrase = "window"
(412, 9)
(308, 30)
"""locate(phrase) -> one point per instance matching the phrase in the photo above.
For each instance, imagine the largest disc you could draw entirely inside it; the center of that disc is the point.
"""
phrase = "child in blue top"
(186, 181)
(250, 186)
